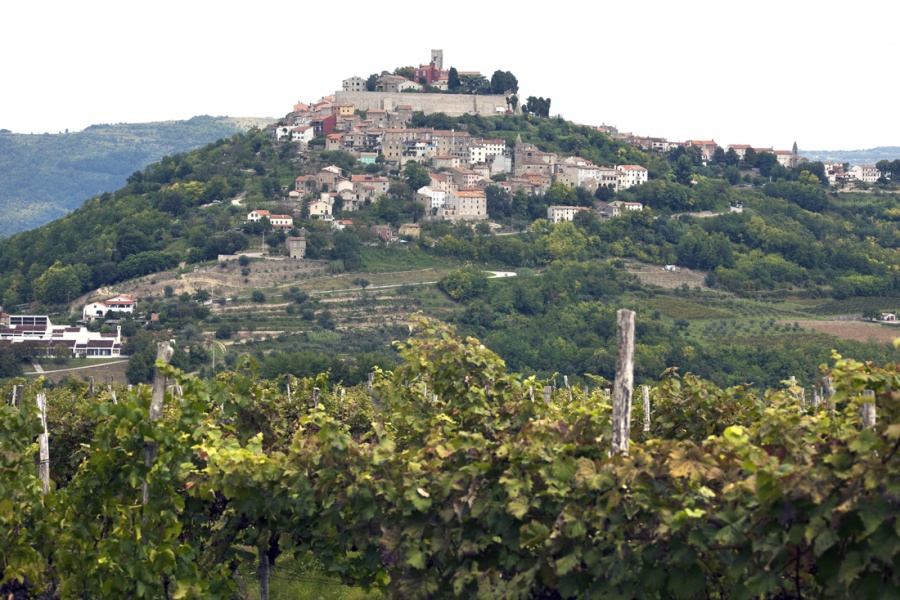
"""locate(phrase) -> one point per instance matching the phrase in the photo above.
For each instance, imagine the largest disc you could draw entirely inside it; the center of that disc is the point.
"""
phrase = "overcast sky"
(764, 72)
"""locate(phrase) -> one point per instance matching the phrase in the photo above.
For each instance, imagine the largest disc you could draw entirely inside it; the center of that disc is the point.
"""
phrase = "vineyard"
(450, 477)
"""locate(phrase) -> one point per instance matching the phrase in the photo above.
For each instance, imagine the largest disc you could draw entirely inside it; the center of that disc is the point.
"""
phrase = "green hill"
(794, 247)
(46, 176)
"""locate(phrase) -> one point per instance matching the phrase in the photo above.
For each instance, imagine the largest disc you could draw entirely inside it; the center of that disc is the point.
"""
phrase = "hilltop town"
(373, 120)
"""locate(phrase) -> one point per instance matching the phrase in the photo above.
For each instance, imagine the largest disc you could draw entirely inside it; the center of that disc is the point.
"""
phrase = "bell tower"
(437, 59)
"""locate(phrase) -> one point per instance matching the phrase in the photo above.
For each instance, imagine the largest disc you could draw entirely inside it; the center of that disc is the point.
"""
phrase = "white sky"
(763, 72)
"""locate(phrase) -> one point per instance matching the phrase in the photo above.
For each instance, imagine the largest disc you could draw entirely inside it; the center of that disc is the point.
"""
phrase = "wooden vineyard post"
(164, 353)
(91, 390)
(868, 409)
(622, 387)
(289, 389)
(315, 397)
(44, 446)
(547, 390)
(112, 394)
(645, 389)
(568, 388)
(342, 395)
(531, 393)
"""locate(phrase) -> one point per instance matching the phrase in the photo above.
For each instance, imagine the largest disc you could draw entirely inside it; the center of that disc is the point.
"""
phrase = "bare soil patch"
(658, 276)
(859, 331)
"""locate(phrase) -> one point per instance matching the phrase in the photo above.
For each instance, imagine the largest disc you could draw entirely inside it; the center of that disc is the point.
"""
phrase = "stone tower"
(296, 247)
(795, 156)
(437, 59)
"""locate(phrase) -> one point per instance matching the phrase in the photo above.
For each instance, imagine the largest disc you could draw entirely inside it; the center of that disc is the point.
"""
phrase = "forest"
(46, 176)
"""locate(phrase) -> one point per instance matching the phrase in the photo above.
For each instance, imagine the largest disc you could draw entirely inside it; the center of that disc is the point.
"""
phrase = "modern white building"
(80, 341)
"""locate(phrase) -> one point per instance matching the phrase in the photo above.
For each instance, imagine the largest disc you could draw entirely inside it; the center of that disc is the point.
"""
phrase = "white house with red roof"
(707, 147)
(277, 221)
(558, 214)
(631, 175)
(98, 310)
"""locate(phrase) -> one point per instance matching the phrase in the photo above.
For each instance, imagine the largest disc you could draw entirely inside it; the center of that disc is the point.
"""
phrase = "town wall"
(453, 105)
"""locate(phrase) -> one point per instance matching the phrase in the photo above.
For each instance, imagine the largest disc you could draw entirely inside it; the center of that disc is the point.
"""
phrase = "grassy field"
(379, 260)
(679, 308)
(856, 306)
(291, 579)
(106, 372)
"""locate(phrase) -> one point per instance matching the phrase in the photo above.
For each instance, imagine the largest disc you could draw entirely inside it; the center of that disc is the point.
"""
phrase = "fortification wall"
(453, 105)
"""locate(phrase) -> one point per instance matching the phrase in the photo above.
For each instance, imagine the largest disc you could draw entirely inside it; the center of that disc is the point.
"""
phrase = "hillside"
(854, 157)
(46, 176)
(795, 253)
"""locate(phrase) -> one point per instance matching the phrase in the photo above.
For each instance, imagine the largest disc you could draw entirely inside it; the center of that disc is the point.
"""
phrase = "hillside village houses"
(461, 165)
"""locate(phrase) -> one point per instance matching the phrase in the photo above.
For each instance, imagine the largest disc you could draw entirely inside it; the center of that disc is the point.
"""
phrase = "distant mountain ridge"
(854, 157)
(45, 176)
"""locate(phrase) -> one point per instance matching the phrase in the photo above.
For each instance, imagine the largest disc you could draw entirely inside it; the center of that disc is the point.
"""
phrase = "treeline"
(452, 477)
(774, 244)
(562, 321)
(58, 172)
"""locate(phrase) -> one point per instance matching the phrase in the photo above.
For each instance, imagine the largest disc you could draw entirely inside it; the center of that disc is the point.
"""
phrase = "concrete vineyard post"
(164, 354)
(622, 387)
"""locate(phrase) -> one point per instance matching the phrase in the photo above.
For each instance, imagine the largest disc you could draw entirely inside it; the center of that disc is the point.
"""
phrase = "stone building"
(296, 247)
